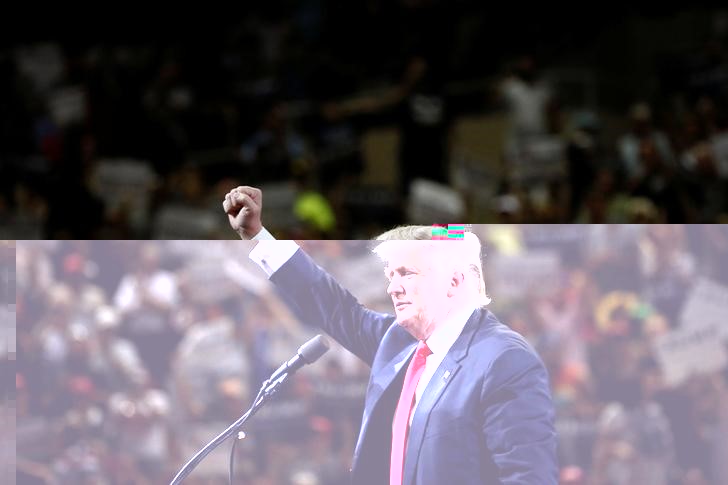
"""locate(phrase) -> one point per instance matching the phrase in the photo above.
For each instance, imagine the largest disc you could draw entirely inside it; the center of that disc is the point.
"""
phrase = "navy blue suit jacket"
(486, 417)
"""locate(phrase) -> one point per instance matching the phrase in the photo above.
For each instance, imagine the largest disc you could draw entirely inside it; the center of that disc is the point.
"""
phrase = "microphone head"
(312, 350)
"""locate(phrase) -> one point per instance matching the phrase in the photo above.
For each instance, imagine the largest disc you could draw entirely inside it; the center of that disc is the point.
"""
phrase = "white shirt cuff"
(270, 255)
(262, 235)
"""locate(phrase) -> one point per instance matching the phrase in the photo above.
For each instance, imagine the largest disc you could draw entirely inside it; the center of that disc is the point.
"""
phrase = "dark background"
(193, 97)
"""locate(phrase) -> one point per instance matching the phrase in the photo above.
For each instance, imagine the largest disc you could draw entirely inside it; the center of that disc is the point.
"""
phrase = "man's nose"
(395, 287)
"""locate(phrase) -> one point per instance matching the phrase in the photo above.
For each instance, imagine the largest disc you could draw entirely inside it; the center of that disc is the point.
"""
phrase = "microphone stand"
(266, 391)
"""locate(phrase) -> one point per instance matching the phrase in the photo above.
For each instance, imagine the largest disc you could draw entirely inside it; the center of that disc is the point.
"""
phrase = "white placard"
(542, 158)
(685, 352)
(68, 105)
(517, 275)
(707, 304)
(433, 203)
(125, 184)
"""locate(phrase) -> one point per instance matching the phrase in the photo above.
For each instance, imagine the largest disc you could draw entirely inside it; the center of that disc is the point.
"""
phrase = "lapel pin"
(446, 375)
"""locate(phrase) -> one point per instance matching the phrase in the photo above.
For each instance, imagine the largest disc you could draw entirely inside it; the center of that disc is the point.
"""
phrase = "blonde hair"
(463, 253)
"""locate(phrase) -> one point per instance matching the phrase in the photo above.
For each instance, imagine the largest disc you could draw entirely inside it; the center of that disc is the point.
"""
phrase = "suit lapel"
(380, 382)
(442, 378)
(437, 385)
(384, 377)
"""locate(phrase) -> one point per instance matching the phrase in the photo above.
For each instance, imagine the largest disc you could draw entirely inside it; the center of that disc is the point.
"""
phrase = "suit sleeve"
(518, 424)
(317, 299)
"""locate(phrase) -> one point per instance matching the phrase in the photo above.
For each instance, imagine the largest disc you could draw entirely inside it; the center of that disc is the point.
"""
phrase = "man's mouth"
(401, 305)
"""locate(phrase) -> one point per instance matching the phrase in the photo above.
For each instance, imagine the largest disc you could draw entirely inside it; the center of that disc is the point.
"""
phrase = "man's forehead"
(408, 255)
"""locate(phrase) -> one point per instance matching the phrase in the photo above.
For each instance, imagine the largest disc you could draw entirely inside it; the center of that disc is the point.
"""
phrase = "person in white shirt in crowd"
(528, 99)
(642, 129)
(114, 357)
(145, 300)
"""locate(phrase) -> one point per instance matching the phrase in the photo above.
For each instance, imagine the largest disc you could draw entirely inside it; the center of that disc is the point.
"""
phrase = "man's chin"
(404, 322)
(412, 327)
(407, 322)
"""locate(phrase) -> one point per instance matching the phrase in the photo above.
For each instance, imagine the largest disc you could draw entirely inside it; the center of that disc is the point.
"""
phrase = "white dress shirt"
(439, 343)
(271, 255)
(263, 234)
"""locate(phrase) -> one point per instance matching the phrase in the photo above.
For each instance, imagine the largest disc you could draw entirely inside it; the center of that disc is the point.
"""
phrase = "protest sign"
(685, 352)
(536, 272)
(707, 304)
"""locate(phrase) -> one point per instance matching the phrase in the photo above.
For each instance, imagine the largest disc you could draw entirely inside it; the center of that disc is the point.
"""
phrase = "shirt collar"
(445, 335)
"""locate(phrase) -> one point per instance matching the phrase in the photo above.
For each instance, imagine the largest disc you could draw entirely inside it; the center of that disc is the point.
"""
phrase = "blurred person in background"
(719, 142)
(635, 441)
(276, 148)
(584, 158)
(54, 344)
(704, 184)
(114, 358)
(145, 299)
(577, 416)
(262, 329)
(139, 428)
(425, 118)
(421, 111)
(711, 243)
(668, 269)
(629, 145)
(720, 430)
(417, 99)
(605, 202)
(710, 420)
(529, 100)
(34, 275)
(25, 211)
(513, 437)
(655, 180)
(336, 138)
(613, 256)
(210, 353)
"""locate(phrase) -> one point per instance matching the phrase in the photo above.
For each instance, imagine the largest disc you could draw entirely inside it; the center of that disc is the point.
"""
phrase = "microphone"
(308, 353)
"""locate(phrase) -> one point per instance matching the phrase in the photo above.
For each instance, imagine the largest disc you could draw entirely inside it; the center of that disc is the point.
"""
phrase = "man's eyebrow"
(389, 270)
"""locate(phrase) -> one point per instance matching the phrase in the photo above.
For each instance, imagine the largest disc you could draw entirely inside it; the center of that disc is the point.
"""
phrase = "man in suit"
(455, 396)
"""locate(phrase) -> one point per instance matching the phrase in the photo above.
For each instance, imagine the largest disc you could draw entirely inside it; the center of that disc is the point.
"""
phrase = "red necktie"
(400, 425)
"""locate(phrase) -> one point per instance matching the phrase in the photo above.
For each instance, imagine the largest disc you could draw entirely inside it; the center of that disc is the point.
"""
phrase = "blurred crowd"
(138, 131)
(133, 355)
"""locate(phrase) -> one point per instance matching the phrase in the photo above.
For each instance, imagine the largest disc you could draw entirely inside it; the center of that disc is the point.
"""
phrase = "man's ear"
(456, 281)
